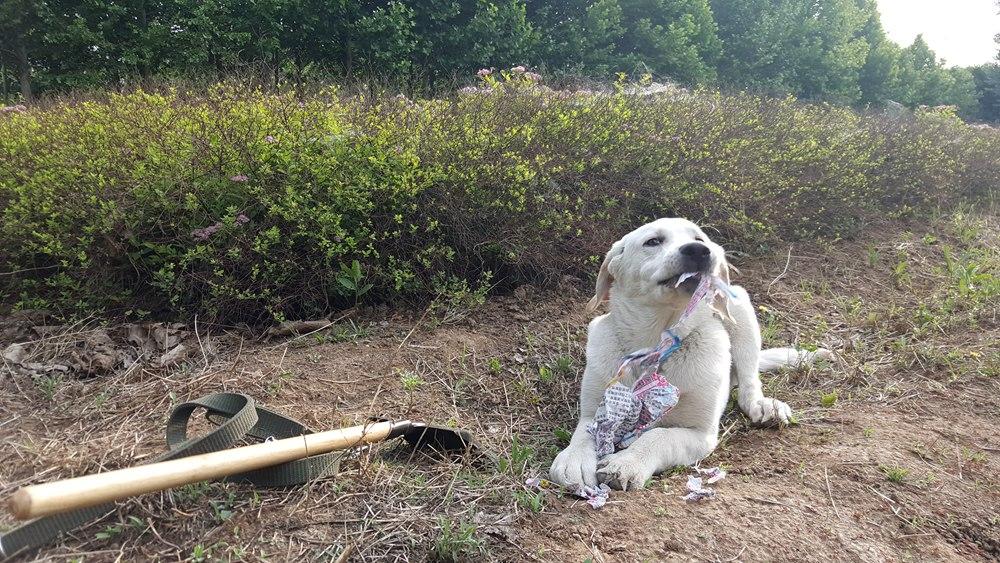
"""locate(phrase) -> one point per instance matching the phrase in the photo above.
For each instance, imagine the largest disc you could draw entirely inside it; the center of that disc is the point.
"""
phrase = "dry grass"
(916, 398)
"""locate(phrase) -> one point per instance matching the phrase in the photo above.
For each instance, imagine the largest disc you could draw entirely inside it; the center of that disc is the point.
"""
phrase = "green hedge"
(246, 206)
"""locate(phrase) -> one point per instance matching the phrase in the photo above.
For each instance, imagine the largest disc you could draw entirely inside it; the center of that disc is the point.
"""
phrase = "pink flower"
(270, 139)
(519, 69)
(204, 234)
(239, 178)
(484, 72)
(19, 108)
(533, 76)
(241, 219)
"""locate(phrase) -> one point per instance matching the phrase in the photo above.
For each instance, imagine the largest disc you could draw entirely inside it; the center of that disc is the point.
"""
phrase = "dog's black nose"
(695, 256)
(695, 250)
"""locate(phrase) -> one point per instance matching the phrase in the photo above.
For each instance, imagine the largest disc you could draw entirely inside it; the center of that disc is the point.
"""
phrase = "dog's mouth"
(687, 281)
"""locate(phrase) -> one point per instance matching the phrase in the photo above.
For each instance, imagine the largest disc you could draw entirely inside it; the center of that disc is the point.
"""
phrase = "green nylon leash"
(237, 417)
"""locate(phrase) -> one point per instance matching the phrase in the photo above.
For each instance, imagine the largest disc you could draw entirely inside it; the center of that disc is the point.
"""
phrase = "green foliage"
(812, 49)
(987, 84)
(545, 374)
(676, 38)
(245, 206)
(48, 385)
(454, 299)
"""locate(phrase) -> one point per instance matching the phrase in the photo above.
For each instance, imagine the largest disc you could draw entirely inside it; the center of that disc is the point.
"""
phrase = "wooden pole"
(91, 490)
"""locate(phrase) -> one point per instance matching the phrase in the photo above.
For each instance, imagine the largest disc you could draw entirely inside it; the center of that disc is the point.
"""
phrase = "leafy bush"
(247, 207)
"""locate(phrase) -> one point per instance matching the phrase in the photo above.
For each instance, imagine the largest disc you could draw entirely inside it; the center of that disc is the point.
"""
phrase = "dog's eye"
(656, 241)
(699, 239)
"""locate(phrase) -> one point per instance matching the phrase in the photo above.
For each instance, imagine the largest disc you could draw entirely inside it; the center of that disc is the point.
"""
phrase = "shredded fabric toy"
(629, 410)
(596, 496)
(697, 491)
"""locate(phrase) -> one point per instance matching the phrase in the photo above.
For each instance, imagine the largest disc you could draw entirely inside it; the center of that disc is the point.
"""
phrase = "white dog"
(639, 275)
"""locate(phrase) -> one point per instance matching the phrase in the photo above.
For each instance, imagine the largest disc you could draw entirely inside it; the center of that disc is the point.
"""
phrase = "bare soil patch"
(895, 455)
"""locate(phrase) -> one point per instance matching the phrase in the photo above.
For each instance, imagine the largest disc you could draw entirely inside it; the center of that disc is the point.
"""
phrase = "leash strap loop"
(237, 417)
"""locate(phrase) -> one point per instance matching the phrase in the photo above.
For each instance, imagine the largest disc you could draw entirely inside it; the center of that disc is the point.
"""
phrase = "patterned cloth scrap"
(628, 412)
(596, 496)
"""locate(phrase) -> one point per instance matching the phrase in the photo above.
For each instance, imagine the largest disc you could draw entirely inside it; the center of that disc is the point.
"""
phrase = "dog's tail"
(776, 358)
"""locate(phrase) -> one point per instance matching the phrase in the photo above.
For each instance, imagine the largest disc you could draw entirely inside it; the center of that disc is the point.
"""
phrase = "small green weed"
(191, 493)
(351, 278)
(275, 387)
(520, 456)
(828, 399)
(48, 385)
(222, 509)
(109, 532)
(533, 501)
(410, 381)
(901, 272)
(895, 474)
(457, 540)
(873, 256)
(563, 435)
(545, 374)
(200, 553)
(564, 365)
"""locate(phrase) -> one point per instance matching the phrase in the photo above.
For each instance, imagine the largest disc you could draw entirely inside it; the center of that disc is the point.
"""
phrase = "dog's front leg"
(577, 464)
(745, 342)
(657, 450)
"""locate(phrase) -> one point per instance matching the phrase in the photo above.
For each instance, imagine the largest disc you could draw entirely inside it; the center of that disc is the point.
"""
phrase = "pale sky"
(959, 31)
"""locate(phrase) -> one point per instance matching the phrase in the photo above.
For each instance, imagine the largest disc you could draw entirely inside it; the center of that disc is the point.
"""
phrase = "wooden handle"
(91, 490)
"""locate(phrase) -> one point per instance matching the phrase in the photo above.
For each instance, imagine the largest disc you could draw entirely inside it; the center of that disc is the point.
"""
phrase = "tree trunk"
(348, 62)
(5, 95)
(24, 71)
(144, 26)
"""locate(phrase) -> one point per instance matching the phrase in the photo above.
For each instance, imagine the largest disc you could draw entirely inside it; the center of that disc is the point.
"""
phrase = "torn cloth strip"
(697, 491)
(596, 496)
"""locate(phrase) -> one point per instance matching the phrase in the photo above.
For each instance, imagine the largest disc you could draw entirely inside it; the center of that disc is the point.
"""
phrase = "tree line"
(833, 50)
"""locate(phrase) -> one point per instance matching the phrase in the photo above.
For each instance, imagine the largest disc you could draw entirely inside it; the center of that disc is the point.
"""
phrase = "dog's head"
(646, 264)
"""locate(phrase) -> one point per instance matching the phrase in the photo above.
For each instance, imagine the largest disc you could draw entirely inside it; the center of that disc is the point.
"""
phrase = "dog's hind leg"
(777, 358)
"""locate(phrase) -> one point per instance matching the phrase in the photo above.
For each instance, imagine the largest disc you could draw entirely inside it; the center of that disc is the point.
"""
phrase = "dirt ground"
(895, 456)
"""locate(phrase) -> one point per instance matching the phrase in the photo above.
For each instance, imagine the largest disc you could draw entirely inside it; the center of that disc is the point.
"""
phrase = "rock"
(175, 355)
(894, 109)
(295, 328)
(14, 353)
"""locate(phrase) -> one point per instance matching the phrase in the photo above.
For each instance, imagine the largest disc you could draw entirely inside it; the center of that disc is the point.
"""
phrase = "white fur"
(717, 342)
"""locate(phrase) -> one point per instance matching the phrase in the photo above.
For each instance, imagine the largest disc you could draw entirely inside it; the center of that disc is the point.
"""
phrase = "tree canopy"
(834, 50)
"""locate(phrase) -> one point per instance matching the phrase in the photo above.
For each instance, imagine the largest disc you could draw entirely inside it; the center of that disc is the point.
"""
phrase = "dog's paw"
(576, 465)
(766, 409)
(624, 471)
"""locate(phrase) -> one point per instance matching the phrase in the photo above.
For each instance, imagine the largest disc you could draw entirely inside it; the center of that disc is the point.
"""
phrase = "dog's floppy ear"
(604, 278)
